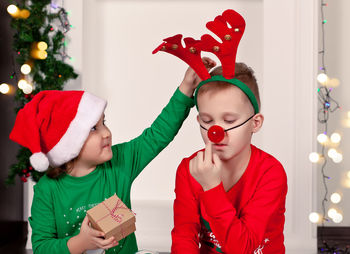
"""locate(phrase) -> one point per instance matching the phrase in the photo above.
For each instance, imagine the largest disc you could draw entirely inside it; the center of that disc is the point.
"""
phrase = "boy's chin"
(223, 156)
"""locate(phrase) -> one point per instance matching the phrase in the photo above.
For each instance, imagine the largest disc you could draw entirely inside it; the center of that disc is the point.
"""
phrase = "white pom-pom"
(39, 161)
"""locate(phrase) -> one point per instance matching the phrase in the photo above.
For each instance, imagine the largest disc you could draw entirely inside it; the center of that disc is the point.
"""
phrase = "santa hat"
(54, 125)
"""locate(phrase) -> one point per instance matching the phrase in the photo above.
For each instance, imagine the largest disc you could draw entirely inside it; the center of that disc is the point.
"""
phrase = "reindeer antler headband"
(225, 51)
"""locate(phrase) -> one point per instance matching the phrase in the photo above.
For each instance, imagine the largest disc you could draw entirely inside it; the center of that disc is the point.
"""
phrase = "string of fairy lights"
(329, 143)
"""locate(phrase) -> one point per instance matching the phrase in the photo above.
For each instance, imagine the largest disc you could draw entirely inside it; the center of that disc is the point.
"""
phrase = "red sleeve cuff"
(215, 200)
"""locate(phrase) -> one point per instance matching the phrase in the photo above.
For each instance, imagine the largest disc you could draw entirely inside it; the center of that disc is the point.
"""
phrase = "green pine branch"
(48, 74)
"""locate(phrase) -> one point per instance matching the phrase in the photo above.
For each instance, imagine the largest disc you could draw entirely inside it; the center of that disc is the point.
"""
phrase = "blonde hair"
(242, 73)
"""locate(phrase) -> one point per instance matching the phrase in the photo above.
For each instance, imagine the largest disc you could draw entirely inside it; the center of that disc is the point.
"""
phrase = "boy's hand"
(89, 239)
(191, 79)
(206, 168)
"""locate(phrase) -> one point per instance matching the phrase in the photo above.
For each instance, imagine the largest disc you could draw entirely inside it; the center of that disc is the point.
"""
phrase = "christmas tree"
(39, 44)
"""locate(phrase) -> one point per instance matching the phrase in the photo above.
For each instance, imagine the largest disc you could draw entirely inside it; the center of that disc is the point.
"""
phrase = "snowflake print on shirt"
(73, 217)
(259, 250)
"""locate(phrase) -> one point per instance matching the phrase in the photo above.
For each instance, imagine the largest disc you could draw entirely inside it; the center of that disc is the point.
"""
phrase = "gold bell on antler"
(227, 37)
(236, 29)
(174, 46)
(192, 50)
(216, 48)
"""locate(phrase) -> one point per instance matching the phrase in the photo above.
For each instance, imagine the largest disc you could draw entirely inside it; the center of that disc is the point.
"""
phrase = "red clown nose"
(216, 134)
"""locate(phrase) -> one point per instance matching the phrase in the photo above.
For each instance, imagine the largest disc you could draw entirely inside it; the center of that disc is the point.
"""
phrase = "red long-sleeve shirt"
(249, 218)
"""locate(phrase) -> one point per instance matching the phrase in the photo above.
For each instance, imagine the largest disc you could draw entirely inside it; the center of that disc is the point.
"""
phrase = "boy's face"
(228, 108)
(97, 147)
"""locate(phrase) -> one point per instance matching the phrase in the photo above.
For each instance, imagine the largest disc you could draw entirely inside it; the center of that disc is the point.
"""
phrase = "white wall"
(138, 84)
(113, 57)
(337, 54)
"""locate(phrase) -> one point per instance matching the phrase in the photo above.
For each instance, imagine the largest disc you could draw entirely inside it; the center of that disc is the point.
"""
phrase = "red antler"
(190, 54)
(225, 51)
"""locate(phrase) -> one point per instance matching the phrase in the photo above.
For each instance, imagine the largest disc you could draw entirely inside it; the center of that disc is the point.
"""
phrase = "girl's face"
(228, 108)
(97, 147)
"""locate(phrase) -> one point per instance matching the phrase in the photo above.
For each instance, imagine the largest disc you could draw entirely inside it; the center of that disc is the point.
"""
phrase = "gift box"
(113, 218)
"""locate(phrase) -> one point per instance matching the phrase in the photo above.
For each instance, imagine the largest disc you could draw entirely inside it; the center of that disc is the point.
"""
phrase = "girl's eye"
(104, 122)
(229, 121)
(93, 128)
(207, 121)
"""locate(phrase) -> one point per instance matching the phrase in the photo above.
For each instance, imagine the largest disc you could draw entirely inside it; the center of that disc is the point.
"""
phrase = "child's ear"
(258, 121)
(198, 118)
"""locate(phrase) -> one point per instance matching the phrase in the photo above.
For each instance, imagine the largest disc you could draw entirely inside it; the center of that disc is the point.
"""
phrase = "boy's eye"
(229, 121)
(104, 122)
(93, 128)
(207, 121)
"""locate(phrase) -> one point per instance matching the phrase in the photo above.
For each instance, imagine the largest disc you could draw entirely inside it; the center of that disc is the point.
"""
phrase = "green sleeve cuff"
(65, 246)
(181, 97)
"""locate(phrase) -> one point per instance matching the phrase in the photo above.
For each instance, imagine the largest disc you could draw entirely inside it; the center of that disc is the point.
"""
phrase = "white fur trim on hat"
(39, 161)
(90, 110)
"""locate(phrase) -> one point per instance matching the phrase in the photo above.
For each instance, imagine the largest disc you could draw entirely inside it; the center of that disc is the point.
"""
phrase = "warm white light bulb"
(338, 158)
(28, 89)
(332, 153)
(332, 212)
(314, 157)
(42, 54)
(338, 218)
(22, 83)
(4, 88)
(335, 137)
(42, 45)
(348, 174)
(26, 69)
(314, 217)
(335, 198)
(12, 9)
(348, 114)
(322, 78)
(322, 138)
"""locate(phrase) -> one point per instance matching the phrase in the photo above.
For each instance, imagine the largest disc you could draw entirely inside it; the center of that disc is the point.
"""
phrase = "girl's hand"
(89, 239)
(206, 168)
(191, 79)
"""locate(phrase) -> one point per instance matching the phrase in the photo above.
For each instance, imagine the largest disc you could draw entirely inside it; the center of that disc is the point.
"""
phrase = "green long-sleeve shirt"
(59, 205)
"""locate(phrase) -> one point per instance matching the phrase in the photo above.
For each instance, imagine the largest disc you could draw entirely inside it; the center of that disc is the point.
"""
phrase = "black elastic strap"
(234, 127)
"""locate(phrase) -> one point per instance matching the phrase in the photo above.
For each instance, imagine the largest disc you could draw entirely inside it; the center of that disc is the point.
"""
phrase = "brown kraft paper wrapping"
(113, 218)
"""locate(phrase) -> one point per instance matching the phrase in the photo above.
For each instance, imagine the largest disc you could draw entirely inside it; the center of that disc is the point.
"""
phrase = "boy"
(230, 198)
